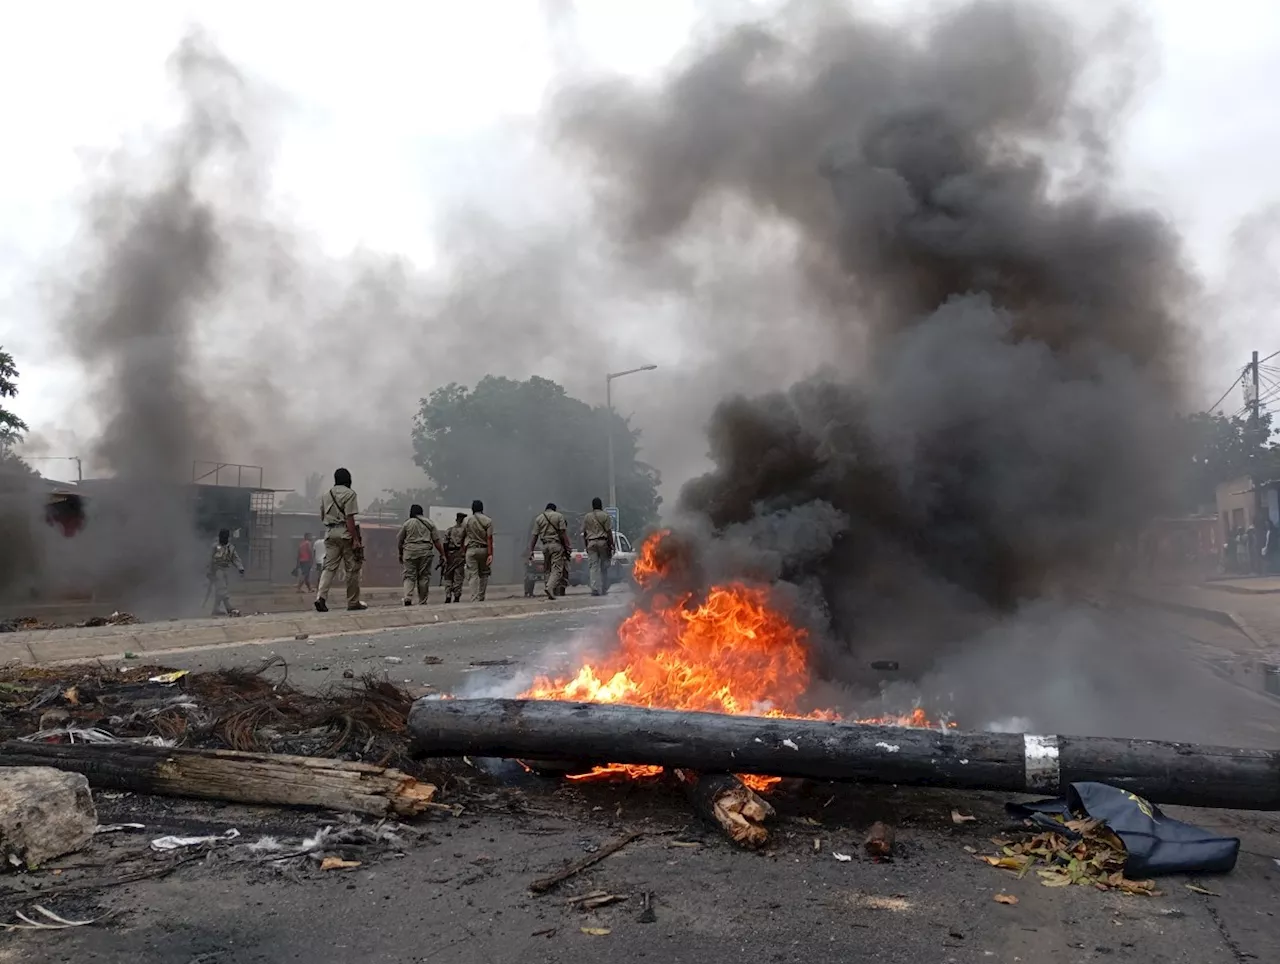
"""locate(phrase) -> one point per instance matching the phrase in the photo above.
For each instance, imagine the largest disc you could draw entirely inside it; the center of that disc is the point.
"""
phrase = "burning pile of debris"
(712, 685)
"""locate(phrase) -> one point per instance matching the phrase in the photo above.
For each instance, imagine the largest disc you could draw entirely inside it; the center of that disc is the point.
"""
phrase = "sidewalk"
(1246, 585)
(1256, 615)
(150, 639)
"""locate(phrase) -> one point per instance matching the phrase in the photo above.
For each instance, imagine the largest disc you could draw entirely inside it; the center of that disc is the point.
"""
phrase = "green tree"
(519, 445)
(306, 500)
(1221, 448)
(12, 428)
(395, 503)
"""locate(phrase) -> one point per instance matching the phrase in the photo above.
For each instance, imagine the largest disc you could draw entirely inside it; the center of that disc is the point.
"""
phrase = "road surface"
(461, 893)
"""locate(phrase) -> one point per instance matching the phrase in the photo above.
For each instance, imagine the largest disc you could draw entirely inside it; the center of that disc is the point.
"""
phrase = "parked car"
(619, 566)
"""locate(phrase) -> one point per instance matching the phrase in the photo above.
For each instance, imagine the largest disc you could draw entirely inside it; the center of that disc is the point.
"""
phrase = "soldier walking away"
(597, 535)
(552, 529)
(454, 560)
(478, 539)
(342, 543)
(418, 536)
(306, 557)
(220, 564)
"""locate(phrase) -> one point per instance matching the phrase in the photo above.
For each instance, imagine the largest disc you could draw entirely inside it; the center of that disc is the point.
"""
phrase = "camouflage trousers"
(454, 572)
(416, 572)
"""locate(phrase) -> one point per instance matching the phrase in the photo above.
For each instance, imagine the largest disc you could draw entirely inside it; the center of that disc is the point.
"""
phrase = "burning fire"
(729, 651)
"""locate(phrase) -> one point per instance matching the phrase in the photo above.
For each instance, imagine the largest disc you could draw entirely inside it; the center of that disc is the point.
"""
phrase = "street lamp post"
(608, 401)
(60, 458)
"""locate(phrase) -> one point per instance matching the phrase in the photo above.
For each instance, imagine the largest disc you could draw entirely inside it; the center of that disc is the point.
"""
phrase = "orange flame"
(729, 652)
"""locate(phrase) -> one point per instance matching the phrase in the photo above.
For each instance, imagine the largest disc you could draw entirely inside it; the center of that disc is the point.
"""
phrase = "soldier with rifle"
(453, 560)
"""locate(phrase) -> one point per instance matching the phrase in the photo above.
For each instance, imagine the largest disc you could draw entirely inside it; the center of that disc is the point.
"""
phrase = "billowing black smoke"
(1008, 335)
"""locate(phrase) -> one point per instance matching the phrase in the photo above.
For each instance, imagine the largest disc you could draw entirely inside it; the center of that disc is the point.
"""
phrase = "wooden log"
(255, 778)
(1180, 773)
(879, 841)
(724, 800)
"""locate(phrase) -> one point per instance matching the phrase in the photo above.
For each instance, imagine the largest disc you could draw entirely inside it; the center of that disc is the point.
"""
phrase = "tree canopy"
(1221, 448)
(12, 428)
(519, 445)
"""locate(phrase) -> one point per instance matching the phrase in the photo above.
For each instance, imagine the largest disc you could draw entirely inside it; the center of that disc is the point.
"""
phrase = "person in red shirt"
(304, 563)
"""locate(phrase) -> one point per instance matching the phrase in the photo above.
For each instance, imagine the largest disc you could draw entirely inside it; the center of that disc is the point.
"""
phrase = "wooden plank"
(256, 778)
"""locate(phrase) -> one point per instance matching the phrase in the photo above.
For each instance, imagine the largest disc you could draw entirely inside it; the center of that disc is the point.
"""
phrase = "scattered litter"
(791, 744)
(118, 827)
(597, 898)
(545, 884)
(817, 845)
(176, 843)
(545, 932)
(647, 915)
(168, 679)
(843, 858)
(337, 863)
(78, 734)
(887, 747)
(392, 659)
(690, 844)
(129, 655)
(1092, 856)
(59, 923)
(493, 662)
(434, 661)
(596, 931)
(958, 817)
(302, 636)
(72, 696)
(1149, 842)
(1197, 889)
(879, 841)
(885, 665)
(1006, 899)
(347, 674)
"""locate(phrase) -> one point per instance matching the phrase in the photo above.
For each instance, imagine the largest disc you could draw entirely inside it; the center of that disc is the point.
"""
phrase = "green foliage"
(308, 499)
(12, 428)
(519, 445)
(1221, 449)
(395, 503)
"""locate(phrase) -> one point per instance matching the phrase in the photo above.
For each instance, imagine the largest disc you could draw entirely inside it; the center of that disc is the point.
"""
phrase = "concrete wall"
(1237, 505)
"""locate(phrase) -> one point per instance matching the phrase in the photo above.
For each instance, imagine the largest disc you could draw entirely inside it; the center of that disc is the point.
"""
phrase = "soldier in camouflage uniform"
(417, 537)
(597, 536)
(552, 529)
(222, 560)
(478, 529)
(454, 559)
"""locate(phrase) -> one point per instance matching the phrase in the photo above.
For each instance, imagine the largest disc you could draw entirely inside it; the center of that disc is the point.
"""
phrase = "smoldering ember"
(959, 644)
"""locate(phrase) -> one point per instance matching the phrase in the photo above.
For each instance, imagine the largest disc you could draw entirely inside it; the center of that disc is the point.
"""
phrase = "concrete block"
(44, 813)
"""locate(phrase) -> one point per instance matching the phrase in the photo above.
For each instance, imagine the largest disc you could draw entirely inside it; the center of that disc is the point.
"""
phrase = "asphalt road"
(460, 894)
(466, 657)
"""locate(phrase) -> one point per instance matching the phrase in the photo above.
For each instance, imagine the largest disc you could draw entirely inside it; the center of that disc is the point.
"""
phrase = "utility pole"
(608, 403)
(1255, 409)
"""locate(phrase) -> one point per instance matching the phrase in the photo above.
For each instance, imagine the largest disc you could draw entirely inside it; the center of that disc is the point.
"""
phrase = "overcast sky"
(395, 111)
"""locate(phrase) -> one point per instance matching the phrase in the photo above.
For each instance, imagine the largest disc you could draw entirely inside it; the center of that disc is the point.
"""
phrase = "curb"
(1222, 617)
(45, 646)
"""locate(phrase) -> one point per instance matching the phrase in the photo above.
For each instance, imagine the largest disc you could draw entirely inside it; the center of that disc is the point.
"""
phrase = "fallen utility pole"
(256, 778)
(1180, 773)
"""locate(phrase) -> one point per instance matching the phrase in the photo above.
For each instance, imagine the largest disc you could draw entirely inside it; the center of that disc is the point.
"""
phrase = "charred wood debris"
(247, 736)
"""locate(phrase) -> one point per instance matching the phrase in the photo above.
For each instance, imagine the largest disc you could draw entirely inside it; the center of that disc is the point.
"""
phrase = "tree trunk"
(1181, 773)
(257, 778)
(724, 800)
